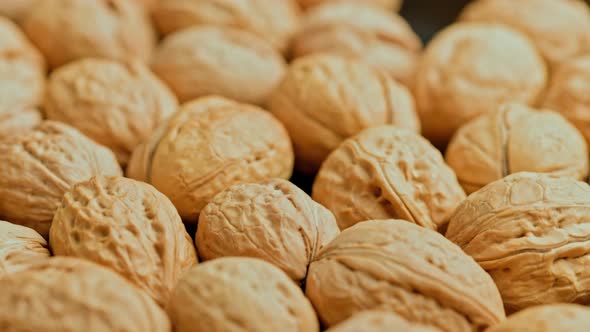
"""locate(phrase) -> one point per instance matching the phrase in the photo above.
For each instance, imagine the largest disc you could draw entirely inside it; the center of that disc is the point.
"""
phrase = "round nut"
(388, 4)
(470, 69)
(39, 166)
(527, 231)
(114, 29)
(271, 220)
(515, 139)
(17, 10)
(388, 173)
(547, 318)
(319, 89)
(379, 321)
(18, 121)
(69, 295)
(19, 247)
(209, 145)
(406, 269)
(116, 104)
(205, 299)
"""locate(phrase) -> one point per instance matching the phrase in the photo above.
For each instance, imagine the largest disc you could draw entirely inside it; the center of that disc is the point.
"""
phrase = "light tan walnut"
(39, 166)
(19, 247)
(239, 294)
(387, 4)
(379, 321)
(16, 10)
(18, 121)
(547, 318)
(412, 271)
(271, 220)
(530, 233)
(71, 295)
(116, 104)
(208, 145)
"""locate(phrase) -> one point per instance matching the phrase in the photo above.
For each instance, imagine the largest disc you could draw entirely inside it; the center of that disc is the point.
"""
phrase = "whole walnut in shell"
(387, 4)
(547, 318)
(406, 269)
(515, 139)
(19, 247)
(239, 294)
(271, 220)
(72, 295)
(379, 321)
(18, 121)
(386, 172)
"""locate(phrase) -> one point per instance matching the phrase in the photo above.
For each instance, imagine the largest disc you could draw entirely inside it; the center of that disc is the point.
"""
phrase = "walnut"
(406, 269)
(388, 4)
(18, 121)
(19, 247)
(379, 321)
(16, 10)
(547, 318)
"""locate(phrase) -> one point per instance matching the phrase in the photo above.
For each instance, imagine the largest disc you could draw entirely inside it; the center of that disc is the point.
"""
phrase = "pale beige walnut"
(400, 267)
(71, 295)
(351, 29)
(379, 321)
(18, 121)
(470, 69)
(116, 104)
(547, 318)
(387, 4)
(39, 166)
(208, 145)
(325, 99)
(239, 294)
(67, 30)
(16, 10)
(515, 139)
(272, 220)
(530, 232)
(209, 60)
(386, 172)
(19, 248)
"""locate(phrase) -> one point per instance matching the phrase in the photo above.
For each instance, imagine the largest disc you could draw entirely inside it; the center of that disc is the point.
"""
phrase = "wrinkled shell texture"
(39, 166)
(239, 294)
(379, 321)
(210, 60)
(515, 139)
(18, 121)
(114, 29)
(530, 233)
(319, 89)
(389, 4)
(386, 172)
(19, 247)
(71, 295)
(271, 220)
(128, 226)
(470, 69)
(368, 267)
(547, 318)
(116, 104)
(16, 10)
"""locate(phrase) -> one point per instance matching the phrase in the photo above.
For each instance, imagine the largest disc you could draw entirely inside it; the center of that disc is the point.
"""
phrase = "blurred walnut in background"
(19, 248)
(18, 121)
(17, 9)
(386, 4)
(379, 321)
(547, 318)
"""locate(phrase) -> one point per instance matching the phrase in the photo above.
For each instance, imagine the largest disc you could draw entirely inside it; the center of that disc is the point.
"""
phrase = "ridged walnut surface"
(209, 145)
(515, 139)
(388, 4)
(379, 321)
(240, 294)
(271, 220)
(39, 166)
(72, 295)
(325, 99)
(116, 104)
(531, 233)
(386, 172)
(128, 226)
(547, 318)
(400, 267)
(18, 121)
(16, 10)
(19, 247)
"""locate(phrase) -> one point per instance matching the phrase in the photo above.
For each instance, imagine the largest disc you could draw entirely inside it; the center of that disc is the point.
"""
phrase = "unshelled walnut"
(528, 232)
(116, 104)
(18, 121)
(71, 295)
(406, 269)
(388, 4)
(325, 99)
(379, 321)
(547, 318)
(209, 145)
(386, 172)
(239, 294)
(16, 10)
(271, 220)
(515, 139)
(19, 247)
(39, 166)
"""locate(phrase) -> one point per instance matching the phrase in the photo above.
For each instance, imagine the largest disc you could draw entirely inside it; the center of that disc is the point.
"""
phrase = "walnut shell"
(386, 172)
(19, 247)
(116, 104)
(39, 166)
(205, 299)
(388, 4)
(271, 220)
(528, 232)
(18, 121)
(547, 318)
(16, 10)
(400, 267)
(71, 295)
(379, 321)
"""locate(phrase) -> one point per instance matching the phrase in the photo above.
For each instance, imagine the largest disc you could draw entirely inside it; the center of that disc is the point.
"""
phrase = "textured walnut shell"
(379, 321)
(386, 172)
(209, 145)
(39, 166)
(239, 294)
(116, 104)
(529, 232)
(18, 121)
(515, 139)
(319, 89)
(547, 318)
(388, 4)
(470, 69)
(16, 10)
(71, 295)
(400, 267)
(19, 247)
(271, 220)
